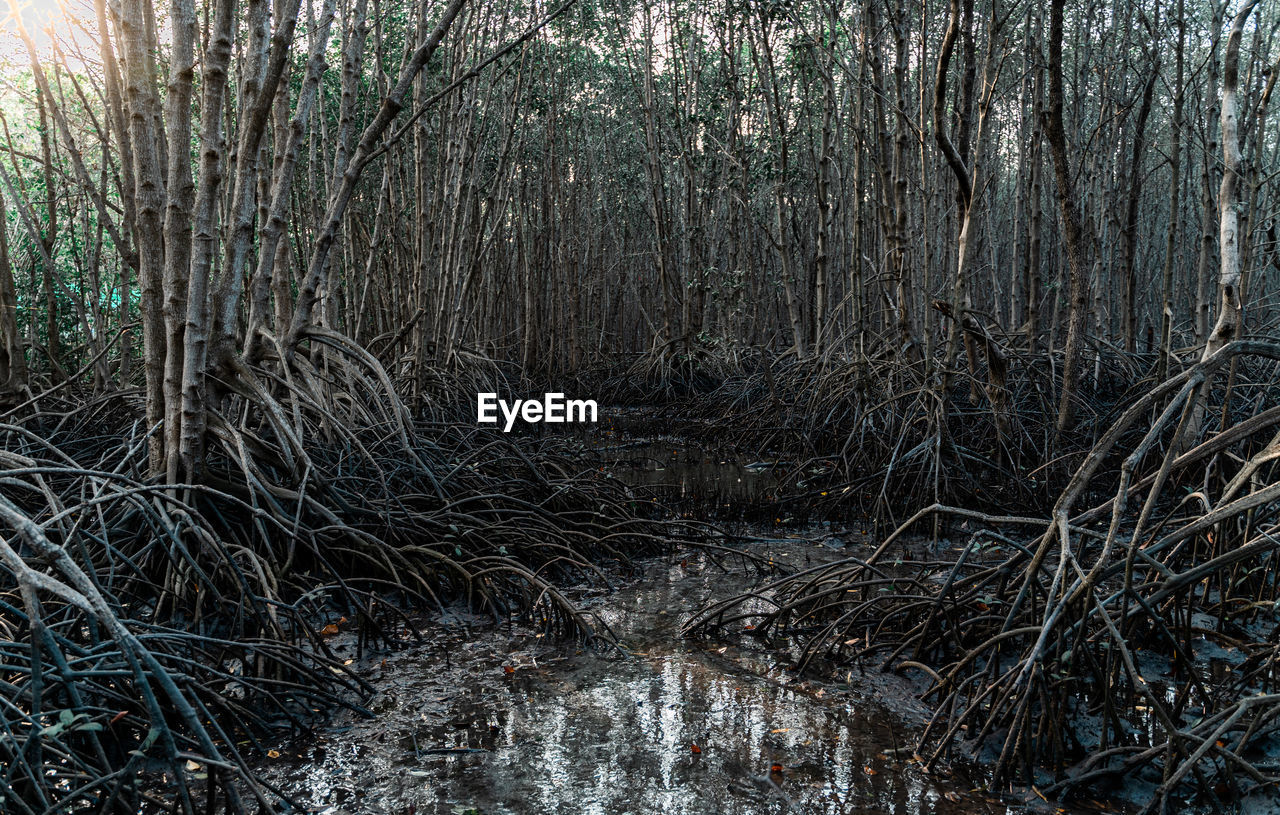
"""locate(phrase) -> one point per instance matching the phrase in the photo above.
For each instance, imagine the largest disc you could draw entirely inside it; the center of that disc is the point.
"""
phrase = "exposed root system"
(1128, 641)
(881, 437)
(150, 634)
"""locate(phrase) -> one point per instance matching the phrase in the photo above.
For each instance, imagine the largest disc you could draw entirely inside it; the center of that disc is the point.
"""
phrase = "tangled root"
(1131, 642)
(152, 633)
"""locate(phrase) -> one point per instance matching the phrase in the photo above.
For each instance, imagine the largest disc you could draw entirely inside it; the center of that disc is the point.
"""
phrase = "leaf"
(329, 630)
(150, 739)
(273, 754)
(192, 766)
(695, 749)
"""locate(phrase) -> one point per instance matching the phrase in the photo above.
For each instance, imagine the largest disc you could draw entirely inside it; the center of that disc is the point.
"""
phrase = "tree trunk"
(1175, 196)
(13, 360)
(1077, 245)
(1230, 308)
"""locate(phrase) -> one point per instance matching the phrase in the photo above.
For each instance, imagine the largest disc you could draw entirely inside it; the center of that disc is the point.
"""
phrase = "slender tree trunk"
(1175, 202)
(763, 51)
(205, 236)
(149, 197)
(1129, 235)
(177, 220)
(53, 339)
(1077, 245)
(13, 360)
(271, 274)
(318, 267)
(1230, 307)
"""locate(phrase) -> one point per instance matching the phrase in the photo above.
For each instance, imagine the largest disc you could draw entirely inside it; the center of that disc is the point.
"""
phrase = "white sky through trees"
(63, 19)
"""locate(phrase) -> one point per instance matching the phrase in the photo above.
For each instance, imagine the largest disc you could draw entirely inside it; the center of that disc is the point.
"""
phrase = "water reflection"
(678, 728)
(683, 472)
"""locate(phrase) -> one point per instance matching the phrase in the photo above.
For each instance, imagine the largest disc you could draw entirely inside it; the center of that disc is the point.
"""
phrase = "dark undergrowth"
(1121, 637)
(154, 636)
(882, 437)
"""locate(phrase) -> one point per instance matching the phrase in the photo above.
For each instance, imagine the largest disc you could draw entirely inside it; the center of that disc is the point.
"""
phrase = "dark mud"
(500, 721)
(491, 719)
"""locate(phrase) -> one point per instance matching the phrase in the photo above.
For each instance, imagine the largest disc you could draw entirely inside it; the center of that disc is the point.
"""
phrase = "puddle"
(720, 481)
(487, 720)
(502, 722)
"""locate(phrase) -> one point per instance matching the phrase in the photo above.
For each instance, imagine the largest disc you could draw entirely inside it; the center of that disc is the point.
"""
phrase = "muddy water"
(487, 720)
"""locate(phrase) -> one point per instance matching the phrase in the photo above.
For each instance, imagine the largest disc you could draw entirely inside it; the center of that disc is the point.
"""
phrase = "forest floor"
(484, 718)
(766, 626)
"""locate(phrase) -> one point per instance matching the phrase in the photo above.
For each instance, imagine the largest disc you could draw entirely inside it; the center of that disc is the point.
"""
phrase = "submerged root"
(1134, 640)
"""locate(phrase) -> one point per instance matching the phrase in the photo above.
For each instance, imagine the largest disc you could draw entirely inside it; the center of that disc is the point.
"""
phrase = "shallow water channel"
(486, 720)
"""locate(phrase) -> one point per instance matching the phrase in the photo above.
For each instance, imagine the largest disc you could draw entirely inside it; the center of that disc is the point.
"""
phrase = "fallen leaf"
(780, 730)
(119, 716)
(192, 766)
(273, 754)
(869, 770)
(507, 669)
(329, 630)
(695, 749)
